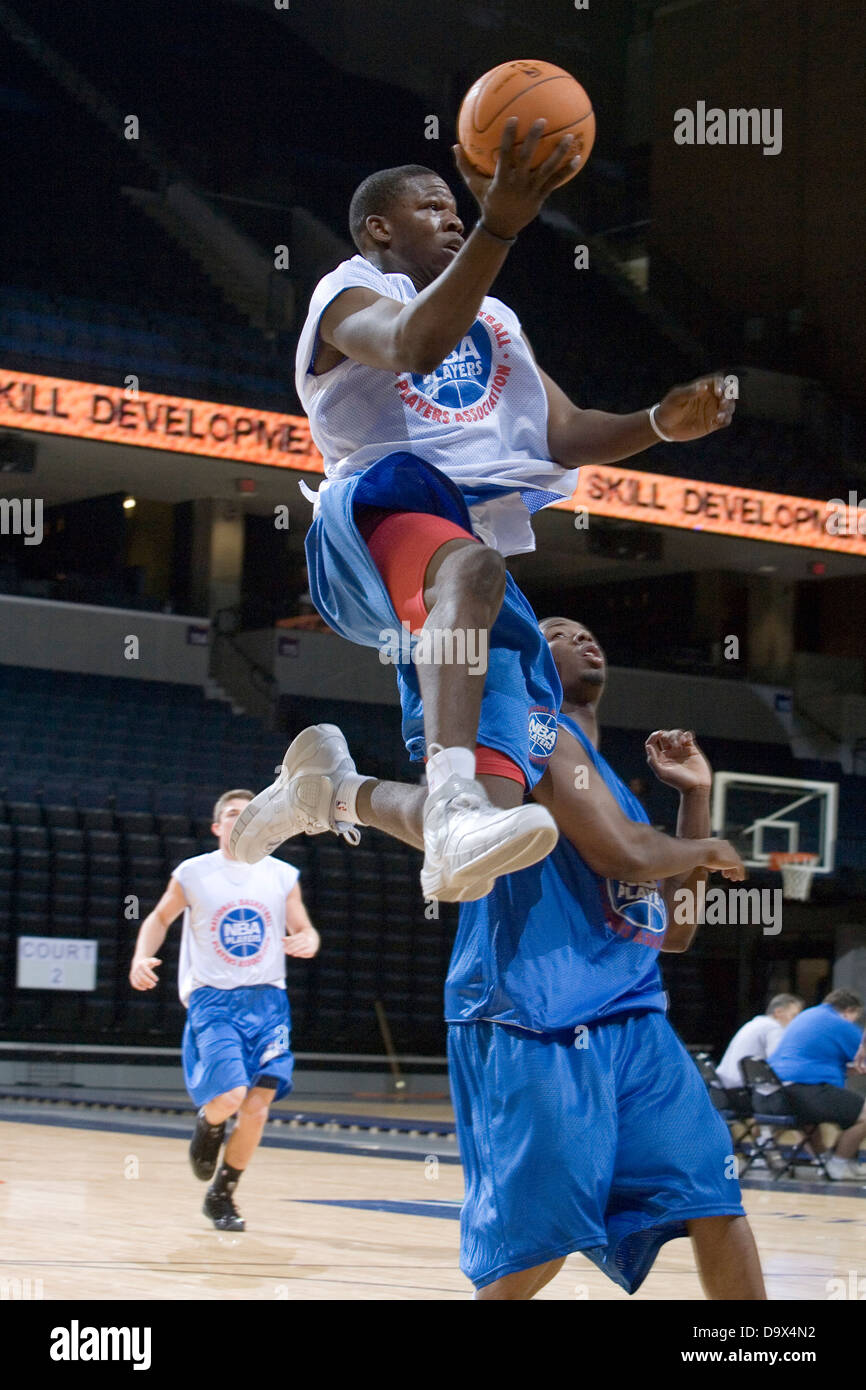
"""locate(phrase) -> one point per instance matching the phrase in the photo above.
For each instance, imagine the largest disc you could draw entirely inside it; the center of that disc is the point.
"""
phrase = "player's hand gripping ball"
(529, 90)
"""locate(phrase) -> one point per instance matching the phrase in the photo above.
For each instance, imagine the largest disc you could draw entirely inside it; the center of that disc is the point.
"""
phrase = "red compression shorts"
(401, 546)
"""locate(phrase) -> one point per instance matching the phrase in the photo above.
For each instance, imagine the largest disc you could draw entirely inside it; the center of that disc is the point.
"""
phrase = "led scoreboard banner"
(83, 410)
(720, 509)
(115, 415)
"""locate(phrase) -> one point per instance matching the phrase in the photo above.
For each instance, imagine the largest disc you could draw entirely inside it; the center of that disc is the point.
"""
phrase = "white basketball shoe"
(469, 842)
(301, 801)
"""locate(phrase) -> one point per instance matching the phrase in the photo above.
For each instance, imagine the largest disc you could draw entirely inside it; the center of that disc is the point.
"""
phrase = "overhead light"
(128, 504)
(766, 569)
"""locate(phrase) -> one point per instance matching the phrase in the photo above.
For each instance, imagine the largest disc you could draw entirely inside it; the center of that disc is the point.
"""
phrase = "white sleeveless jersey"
(234, 924)
(480, 417)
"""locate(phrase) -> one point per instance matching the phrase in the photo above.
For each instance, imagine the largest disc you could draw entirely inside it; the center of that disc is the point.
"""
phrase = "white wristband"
(652, 419)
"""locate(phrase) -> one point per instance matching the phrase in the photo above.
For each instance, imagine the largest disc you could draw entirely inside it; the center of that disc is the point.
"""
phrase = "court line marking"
(450, 1211)
(269, 1141)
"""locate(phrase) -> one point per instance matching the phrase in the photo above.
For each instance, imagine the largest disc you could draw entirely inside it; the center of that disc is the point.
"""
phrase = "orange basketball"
(528, 90)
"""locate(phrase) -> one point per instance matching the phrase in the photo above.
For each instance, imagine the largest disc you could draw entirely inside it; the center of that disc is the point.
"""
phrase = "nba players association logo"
(462, 378)
(468, 385)
(542, 734)
(239, 933)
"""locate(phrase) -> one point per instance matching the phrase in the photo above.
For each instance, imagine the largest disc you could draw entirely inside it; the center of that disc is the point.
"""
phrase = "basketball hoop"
(797, 870)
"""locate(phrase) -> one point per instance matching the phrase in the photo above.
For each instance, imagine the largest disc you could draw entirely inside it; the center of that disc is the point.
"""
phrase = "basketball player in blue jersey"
(440, 436)
(583, 1123)
(240, 923)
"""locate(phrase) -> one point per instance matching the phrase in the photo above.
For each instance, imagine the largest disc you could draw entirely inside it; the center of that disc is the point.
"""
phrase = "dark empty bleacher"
(106, 785)
(90, 286)
(158, 747)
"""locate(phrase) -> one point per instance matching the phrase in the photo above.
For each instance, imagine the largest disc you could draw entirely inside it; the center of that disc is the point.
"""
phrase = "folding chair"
(772, 1110)
(729, 1106)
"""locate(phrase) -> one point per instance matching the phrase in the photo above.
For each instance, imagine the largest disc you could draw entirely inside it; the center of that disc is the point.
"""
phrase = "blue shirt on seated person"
(816, 1046)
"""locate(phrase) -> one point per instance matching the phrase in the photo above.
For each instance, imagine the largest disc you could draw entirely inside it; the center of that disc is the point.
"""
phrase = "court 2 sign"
(56, 962)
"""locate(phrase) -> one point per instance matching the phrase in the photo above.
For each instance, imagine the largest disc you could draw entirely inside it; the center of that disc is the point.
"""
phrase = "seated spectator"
(812, 1058)
(757, 1038)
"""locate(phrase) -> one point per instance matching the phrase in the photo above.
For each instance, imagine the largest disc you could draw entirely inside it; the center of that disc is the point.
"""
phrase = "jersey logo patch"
(542, 734)
(640, 905)
(241, 933)
(463, 376)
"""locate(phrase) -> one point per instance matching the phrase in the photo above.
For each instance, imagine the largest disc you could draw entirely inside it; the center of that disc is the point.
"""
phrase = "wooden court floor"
(110, 1215)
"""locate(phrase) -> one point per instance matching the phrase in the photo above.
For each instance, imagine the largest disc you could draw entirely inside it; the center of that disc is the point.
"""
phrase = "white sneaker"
(302, 798)
(841, 1169)
(469, 843)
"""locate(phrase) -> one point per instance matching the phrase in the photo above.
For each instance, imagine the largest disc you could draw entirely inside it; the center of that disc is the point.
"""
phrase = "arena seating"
(59, 333)
(90, 287)
(106, 785)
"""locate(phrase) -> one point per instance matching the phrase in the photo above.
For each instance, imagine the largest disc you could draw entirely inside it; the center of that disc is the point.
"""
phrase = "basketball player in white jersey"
(240, 921)
(440, 437)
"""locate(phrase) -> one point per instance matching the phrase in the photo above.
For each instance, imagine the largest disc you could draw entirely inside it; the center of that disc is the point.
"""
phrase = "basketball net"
(797, 870)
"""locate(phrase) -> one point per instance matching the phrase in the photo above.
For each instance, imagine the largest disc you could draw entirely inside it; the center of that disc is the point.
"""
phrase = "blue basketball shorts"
(606, 1147)
(522, 691)
(234, 1036)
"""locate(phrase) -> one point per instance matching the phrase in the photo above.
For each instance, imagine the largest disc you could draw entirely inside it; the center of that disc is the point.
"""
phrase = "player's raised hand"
(676, 759)
(514, 195)
(142, 972)
(690, 412)
(721, 857)
(302, 944)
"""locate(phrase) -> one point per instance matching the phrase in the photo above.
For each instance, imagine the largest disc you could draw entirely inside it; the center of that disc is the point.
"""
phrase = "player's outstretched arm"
(676, 759)
(576, 437)
(611, 844)
(415, 337)
(301, 937)
(152, 933)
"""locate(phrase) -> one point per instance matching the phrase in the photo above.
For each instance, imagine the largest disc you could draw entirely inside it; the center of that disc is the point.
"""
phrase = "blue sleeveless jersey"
(556, 945)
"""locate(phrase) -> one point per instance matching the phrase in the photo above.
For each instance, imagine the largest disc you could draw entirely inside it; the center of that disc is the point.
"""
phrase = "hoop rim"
(784, 859)
(798, 869)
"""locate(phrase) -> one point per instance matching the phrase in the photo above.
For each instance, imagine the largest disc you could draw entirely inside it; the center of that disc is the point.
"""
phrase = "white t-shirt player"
(234, 923)
(240, 921)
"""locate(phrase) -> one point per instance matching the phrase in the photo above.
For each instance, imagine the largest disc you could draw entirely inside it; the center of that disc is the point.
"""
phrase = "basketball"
(528, 90)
